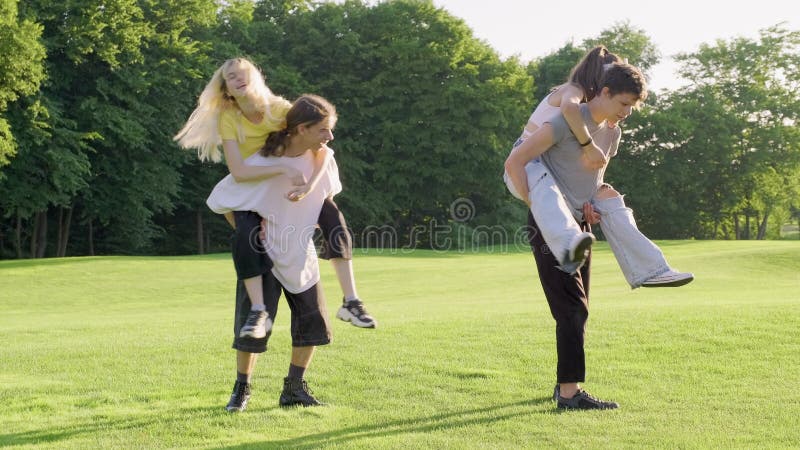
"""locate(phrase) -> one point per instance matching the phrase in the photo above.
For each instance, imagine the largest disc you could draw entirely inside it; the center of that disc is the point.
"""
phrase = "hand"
(298, 193)
(592, 157)
(591, 216)
(262, 232)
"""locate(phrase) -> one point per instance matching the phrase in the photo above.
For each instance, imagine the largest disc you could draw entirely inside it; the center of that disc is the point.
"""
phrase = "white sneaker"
(670, 278)
(578, 252)
(353, 311)
(257, 325)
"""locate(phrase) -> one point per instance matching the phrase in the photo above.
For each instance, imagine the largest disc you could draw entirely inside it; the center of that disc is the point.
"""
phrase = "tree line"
(92, 91)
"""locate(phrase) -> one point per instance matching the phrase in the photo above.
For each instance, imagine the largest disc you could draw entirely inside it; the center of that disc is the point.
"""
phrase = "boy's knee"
(605, 192)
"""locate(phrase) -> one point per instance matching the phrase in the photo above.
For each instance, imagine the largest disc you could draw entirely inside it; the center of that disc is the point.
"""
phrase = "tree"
(427, 112)
(21, 67)
(756, 83)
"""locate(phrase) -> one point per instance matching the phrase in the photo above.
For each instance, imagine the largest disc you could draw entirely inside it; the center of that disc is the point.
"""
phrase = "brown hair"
(589, 71)
(306, 110)
(622, 78)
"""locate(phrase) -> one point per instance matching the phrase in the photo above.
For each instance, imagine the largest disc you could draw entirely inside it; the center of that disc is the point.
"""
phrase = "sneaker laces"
(241, 389)
(591, 397)
(357, 308)
(252, 318)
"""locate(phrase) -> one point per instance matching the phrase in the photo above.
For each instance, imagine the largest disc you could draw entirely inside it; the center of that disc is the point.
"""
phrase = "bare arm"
(322, 158)
(243, 172)
(536, 144)
(593, 156)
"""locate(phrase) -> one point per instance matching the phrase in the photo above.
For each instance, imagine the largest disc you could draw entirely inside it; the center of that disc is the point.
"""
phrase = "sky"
(535, 28)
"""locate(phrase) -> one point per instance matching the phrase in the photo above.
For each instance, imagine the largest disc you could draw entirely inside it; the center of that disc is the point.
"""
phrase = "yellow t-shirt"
(253, 135)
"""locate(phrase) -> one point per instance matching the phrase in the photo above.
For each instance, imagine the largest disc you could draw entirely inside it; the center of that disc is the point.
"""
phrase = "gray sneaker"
(355, 313)
(670, 278)
(578, 251)
(256, 326)
(582, 400)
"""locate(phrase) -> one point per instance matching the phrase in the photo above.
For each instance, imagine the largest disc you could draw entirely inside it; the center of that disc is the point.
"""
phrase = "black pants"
(249, 257)
(568, 297)
(309, 323)
(337, 241)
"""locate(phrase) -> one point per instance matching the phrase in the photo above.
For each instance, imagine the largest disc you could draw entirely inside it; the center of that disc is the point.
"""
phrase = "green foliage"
(628, 42)
(21, 68)
(92, 91)
(424, 106)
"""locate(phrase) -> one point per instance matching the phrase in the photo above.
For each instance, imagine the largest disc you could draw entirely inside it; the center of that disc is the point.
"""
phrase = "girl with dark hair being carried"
(641, 261)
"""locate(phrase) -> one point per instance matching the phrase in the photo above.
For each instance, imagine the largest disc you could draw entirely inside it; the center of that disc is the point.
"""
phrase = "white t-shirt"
(290, 225)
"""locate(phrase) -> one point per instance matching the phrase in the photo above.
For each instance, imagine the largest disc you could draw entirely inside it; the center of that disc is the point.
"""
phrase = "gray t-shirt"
(563, 159)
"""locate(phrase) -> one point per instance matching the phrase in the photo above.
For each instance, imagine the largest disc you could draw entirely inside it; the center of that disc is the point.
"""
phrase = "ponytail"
(589, 71)
(276, 143)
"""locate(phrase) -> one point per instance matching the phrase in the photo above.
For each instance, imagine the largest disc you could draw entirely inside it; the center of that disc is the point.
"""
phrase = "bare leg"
(301, 356)
(245, 362)
(255, 290)
(346, 277)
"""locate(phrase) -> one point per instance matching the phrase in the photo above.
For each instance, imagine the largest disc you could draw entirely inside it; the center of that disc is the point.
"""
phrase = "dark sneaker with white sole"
(670, 278)
(256, 326)
(296, 393)
(239, 397)
(582, 400)
(353, 311)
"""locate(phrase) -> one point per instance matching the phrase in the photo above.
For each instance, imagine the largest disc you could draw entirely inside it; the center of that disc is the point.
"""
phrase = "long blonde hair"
(201, 131)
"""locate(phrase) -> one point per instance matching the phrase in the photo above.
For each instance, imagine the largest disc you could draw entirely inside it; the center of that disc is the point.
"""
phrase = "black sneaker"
(239, 397)
(256, 326)
(582, 400)
(296, 392)
(355, 313)
(556, 392)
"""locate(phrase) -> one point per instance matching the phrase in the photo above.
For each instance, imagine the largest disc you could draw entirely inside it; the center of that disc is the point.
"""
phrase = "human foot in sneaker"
(578, 251)
(257, 325)
(583, 400)
(353, 311)
(296, 393)
(670, 278)
(239, 397)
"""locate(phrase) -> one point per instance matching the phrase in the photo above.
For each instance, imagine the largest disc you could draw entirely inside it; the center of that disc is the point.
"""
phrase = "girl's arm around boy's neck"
(242, 172)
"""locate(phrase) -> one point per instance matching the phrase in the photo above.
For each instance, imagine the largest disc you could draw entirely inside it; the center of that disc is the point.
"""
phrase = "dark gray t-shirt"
(563, 159)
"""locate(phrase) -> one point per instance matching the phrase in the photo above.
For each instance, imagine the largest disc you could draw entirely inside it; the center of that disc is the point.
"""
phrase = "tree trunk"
(747, 227)
(736, 234)
(41, 245)
(63, 233)
(762, 228)
(59, 232)
(91, 238)
(34, 234)
(18, 237)
(199, 216)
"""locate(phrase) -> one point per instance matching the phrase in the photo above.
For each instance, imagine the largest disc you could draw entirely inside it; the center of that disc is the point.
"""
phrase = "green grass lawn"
(134, 352)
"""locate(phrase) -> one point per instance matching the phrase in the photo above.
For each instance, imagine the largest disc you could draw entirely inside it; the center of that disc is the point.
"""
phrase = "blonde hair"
(201, 130)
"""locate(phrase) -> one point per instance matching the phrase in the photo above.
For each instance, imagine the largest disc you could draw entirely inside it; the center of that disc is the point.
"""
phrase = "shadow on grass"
(455, 419)
(97, 425)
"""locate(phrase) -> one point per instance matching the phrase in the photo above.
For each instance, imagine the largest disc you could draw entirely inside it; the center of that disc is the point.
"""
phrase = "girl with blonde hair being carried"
(238, 111)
